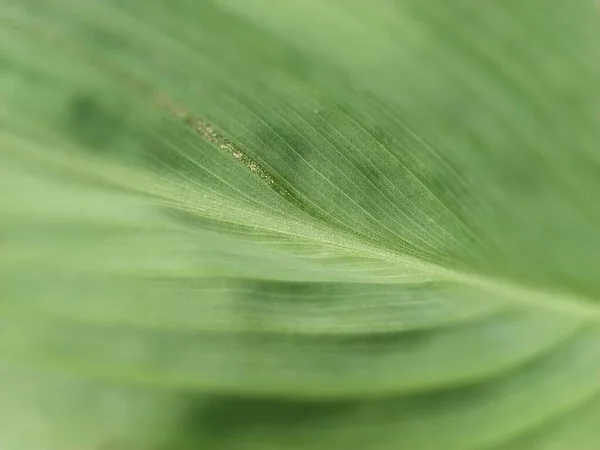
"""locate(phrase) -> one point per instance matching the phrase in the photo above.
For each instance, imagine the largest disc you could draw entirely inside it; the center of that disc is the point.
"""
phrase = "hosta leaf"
(299, 225)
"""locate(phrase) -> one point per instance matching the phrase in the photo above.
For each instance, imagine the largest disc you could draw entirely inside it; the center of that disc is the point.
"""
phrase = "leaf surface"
(310, 225)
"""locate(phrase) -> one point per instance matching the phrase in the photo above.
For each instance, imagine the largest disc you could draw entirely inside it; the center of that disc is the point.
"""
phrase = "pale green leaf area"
(300, 224)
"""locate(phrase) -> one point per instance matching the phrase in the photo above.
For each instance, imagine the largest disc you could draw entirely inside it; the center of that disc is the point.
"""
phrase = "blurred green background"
(311, 224)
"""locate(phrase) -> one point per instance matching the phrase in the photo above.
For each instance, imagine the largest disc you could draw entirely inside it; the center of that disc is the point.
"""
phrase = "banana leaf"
(302, 224)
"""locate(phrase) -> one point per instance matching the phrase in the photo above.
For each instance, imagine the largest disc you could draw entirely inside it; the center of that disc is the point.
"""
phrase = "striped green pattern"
(299, 225)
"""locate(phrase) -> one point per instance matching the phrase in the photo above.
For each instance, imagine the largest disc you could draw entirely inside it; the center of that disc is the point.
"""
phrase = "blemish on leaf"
(204, 129)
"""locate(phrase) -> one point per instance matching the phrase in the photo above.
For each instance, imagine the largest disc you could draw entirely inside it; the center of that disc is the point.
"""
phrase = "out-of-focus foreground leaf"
(315, 224)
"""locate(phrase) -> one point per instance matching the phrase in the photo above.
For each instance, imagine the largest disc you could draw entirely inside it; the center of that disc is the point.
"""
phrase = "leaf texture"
(299, 225)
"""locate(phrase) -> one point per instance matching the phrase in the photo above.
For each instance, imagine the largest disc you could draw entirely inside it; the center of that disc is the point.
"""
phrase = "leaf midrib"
(326, 236)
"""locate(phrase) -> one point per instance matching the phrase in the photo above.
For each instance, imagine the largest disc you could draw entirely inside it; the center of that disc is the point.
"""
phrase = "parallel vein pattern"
(338, 225)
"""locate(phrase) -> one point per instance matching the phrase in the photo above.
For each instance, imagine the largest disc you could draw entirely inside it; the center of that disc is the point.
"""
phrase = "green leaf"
(299, 225)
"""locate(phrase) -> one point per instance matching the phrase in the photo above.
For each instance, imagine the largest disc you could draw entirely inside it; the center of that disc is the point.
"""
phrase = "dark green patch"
(92, 122)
